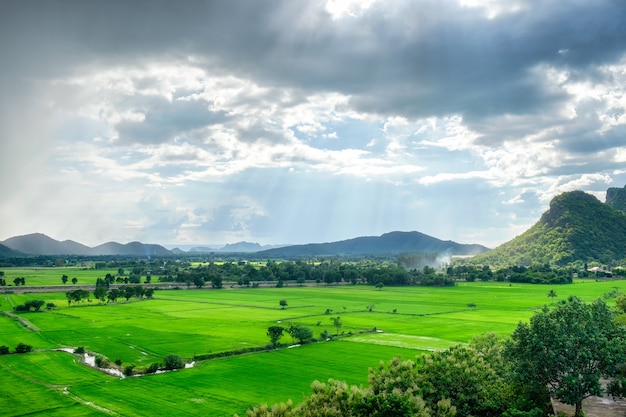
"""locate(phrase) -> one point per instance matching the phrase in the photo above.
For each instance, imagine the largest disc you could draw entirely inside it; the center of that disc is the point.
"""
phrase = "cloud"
(306, 121)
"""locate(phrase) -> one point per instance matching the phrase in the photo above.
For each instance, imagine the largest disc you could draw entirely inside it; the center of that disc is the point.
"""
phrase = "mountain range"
(577, 228)
(393, 243)
(388, 244)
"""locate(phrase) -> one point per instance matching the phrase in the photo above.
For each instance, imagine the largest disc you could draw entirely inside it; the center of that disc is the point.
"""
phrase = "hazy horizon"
(305, 122)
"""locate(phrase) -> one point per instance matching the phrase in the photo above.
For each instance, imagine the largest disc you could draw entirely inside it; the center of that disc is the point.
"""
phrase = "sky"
(286, 122)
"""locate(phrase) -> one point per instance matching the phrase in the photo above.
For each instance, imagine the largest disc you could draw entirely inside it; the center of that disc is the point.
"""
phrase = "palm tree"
(552, 294)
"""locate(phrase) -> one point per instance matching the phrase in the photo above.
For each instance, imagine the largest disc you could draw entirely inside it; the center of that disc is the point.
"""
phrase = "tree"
(569, 350)
(216, 282)
(552, 294)
(35, 304)
(100, 292)
(300, 333)
(64, 279)
(198, 281)
(275, 333)
(4, 350)
(172, 361)
(129, 370)
(337, 323)
(283, 303)
(23, 348)
(74, 280)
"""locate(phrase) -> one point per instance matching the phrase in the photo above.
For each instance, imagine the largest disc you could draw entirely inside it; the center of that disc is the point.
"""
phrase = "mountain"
(241, 247)
(616, 198)
(40, 244)
(202, 249)
(576, 227)
(130, 249)
(7, 252)
(393, 243)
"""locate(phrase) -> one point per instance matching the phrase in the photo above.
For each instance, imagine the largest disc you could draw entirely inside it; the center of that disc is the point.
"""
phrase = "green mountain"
(576, 228)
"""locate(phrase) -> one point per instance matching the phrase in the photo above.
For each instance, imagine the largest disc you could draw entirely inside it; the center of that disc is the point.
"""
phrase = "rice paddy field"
(377, 325)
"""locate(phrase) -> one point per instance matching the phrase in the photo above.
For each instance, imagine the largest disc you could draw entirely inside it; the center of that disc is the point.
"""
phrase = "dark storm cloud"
(412, 58)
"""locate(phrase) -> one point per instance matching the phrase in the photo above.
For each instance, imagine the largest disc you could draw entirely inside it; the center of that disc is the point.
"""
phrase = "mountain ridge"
(387, 244)
(393, 243)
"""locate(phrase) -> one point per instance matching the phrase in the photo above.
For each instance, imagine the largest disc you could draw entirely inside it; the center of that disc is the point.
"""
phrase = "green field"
(408, 321)
(37, 276)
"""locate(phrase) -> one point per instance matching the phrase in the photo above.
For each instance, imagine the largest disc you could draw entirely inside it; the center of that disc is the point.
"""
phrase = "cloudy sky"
(282, 121)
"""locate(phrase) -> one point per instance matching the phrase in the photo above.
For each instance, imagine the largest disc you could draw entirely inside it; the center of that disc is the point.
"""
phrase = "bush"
(4, 350)
(172, 361)
(23, 348)
(129, 370)
(152, 368)
(79, 350)
(101, 361)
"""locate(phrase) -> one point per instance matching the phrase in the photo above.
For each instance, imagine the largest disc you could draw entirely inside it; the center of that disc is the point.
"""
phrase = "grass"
(39, 276)
(190, 322)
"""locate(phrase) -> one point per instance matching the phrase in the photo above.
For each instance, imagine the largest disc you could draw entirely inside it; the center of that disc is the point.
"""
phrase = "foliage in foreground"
(569, 349)
(466, 380)
(563, 352)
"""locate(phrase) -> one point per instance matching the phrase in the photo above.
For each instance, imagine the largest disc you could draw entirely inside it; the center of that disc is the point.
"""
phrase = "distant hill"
(393, 243)
(7, 252)
(130, 249)
(616, 198)
(576, 227)
(40, 244)
(241, 247)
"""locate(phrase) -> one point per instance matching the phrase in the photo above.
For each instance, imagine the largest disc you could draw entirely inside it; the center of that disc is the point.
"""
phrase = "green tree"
(300, 333)
(568, 349)
(283, 303)
(35, 304)
(129, 370)
(216, 282)
(4, 350)
(64, 279)
(198, 281)
(100, 292)
(172, 361)
(74, 280)
(275, 333)
(552, 294)
(23, 348)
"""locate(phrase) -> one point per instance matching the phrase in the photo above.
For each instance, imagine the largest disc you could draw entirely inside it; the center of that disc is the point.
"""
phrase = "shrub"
(101, 361)
(80, 350)
(152, 368)
(129, 370)
(23, 348)
(4, 350)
